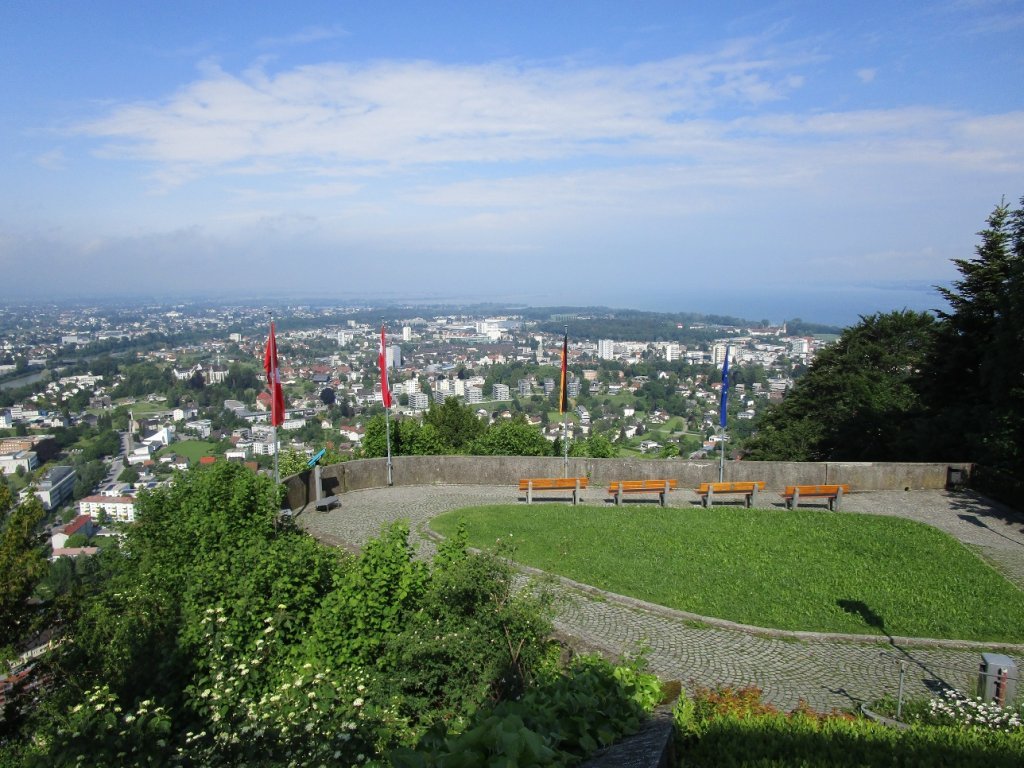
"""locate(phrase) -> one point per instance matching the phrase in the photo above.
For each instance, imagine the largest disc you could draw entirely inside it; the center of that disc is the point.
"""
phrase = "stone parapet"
(507, 470)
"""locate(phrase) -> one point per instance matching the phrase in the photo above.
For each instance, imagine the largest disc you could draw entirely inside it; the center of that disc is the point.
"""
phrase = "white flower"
(358, 702)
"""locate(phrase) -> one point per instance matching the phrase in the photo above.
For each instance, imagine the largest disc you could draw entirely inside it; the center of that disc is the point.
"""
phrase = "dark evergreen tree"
(858, 401)
(975, 381)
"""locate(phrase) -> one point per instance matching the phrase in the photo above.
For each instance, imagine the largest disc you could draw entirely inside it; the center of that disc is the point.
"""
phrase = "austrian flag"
(271, 366)
(382, 363)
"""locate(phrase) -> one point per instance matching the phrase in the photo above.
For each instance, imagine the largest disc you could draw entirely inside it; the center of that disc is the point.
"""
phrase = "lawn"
(797, 570)
(193, 450)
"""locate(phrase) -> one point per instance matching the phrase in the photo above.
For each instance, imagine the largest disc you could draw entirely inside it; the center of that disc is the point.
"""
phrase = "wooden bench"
(749, 489)
(834, 493)
(660, 487)
(574, 484)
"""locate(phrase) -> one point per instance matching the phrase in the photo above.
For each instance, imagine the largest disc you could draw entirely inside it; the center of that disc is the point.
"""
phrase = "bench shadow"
(972, 503)
(975, 520)
(933, 681)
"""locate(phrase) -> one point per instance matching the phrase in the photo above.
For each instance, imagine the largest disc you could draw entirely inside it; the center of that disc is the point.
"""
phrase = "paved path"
(824, 672)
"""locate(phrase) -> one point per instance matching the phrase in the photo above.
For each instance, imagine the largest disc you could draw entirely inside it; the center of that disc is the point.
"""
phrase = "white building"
(55, 488)
(9, 462)
(474, 395)
(501, 392)
(120, 509)
(606, 349)
(419, 401)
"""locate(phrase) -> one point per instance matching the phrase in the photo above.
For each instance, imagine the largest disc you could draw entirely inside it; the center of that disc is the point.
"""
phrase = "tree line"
(910, 385)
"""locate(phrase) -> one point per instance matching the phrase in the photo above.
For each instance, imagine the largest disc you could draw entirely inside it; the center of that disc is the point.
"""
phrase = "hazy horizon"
(781, 160)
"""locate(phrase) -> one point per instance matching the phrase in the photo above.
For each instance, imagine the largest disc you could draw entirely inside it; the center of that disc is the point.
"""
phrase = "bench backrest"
(552, 483)
(816, 490)
(738, 486)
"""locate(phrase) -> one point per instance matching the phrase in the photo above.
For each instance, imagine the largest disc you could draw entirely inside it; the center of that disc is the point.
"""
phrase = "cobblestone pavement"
(826, 672)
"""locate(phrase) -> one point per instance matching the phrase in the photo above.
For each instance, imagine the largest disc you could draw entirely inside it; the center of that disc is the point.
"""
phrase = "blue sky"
(767, 160)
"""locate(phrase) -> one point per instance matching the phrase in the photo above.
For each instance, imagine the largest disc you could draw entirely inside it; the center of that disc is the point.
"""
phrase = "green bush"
(726, 727)
(559, 720)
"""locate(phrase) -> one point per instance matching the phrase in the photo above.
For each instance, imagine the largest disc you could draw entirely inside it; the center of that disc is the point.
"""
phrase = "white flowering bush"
(304, 714)
(100, 732)
(955, 708)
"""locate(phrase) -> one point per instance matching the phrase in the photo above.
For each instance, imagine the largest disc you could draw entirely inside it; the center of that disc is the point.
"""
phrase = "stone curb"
(783, 634)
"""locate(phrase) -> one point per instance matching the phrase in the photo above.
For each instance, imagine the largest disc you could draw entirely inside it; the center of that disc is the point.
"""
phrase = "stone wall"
(506, 470)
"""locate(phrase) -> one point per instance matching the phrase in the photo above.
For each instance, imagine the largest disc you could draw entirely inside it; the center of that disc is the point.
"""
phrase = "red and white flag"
(382, 363)
(271, 366)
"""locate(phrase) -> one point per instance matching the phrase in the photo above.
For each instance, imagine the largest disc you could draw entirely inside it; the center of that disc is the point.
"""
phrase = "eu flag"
(725, 389)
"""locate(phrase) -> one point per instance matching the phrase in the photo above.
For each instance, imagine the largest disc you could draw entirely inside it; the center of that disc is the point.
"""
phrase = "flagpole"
(721, 466)
(383, 361)
(387, 431)
(563, 393)
(277, 445)
(722, 414)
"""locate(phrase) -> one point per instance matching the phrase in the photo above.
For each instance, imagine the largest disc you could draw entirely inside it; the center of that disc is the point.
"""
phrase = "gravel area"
(824, 671)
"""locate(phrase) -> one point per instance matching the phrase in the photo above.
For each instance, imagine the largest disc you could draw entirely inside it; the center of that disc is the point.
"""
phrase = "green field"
(796, 570)
(193, 450)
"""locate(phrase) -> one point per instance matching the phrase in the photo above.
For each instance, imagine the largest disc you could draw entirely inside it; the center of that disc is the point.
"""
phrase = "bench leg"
(709, 499)
(752, 500)
(529, 492)
(796, 499)
(837, 500)
(618, 498)
(576, 493)
(662, 496)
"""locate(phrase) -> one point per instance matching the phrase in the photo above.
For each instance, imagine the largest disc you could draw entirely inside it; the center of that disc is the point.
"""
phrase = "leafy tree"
(457, 425)
(129, 475)
(858, 401)
(596, 446)
(511, 437)
(21, 563)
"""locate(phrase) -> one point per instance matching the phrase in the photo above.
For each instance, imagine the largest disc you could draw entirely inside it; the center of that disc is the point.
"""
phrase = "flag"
(563, 391)
(271, 366)
(382, 363)
(725, 389)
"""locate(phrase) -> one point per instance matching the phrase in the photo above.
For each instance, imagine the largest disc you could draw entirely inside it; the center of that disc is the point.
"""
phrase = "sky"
(767, 160)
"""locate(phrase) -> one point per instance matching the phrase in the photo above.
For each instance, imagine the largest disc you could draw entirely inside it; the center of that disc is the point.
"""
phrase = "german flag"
(563, 391)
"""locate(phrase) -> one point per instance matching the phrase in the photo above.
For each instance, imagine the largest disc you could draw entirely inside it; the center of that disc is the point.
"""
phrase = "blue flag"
(725, 389)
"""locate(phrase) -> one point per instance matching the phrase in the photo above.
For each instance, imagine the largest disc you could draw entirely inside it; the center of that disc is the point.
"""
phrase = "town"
(100, 403)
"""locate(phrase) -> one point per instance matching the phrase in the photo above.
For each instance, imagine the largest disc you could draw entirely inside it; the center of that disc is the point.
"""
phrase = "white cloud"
(867, 74)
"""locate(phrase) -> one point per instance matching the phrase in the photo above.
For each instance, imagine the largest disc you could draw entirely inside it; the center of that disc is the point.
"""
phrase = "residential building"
(9, 462)
(55, 487)
(474, 395)
(501, 392)
(119, 509)
(419, 401)
(606, 349)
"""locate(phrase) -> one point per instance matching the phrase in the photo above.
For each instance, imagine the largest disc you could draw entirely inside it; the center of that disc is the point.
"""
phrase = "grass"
(144, 407)
(193, 450)
(796, 570)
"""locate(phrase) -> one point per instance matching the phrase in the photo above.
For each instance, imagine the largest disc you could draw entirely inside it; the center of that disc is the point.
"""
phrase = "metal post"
(565, 445)
(721, 465)
(277, 451)
(899, 698)
(387, 432)
(565, 423)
